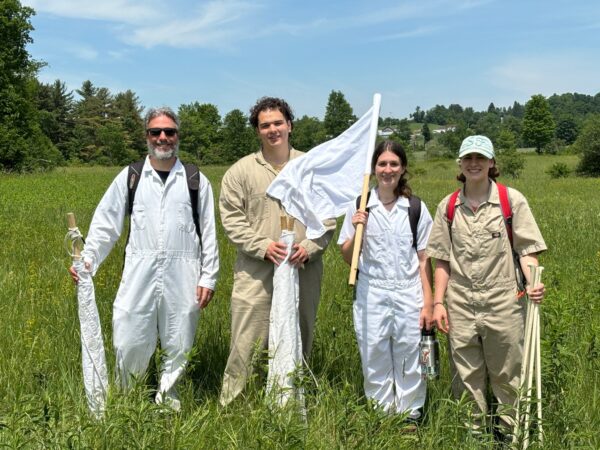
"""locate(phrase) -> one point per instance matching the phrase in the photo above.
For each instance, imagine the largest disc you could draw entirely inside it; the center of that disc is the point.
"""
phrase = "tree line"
(46, 125)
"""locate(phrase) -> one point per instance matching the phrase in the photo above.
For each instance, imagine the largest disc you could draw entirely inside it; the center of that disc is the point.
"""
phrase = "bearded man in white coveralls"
(169, 275)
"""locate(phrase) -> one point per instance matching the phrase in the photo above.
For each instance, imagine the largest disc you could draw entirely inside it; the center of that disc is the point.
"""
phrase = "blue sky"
(231, 52)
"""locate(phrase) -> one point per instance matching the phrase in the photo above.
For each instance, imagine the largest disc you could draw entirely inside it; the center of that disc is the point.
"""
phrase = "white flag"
(321, 184)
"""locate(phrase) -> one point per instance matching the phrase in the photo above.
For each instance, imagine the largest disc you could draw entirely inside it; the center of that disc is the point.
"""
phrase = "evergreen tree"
(538, 123)
(129, 112)
(55, 106)
(338, 115)
(510, 162)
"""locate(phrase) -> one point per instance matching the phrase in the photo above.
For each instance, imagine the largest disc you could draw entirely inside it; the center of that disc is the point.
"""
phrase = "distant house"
(386, 132)
(445, 129)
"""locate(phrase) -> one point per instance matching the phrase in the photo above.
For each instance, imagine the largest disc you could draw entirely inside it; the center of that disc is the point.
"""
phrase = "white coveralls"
(389, 298)
(164, 264)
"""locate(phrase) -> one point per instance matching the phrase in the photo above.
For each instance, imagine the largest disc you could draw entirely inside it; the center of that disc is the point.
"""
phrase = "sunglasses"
(155, 132)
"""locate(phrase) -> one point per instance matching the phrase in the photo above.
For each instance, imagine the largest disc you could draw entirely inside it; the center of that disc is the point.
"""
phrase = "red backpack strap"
(451, 207)
(506, 210)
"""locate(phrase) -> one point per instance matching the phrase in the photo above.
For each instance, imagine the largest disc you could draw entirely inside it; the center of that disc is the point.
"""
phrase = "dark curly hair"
(266, 103)
(402, 189)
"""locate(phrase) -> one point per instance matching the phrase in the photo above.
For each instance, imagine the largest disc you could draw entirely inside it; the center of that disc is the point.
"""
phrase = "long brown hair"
(402, 188)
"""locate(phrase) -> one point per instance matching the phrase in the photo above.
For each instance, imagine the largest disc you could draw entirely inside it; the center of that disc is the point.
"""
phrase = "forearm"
(442, 276)
(426, 275)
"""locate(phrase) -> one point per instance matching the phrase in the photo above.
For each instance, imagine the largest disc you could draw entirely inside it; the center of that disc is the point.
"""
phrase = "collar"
(493, 196)
(375, 201)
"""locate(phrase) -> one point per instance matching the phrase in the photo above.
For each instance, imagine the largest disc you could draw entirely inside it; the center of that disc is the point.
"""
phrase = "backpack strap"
(192, 175)
(506, 208)
(133, 179)
(358, 201)
(451, 207)
(414, 214)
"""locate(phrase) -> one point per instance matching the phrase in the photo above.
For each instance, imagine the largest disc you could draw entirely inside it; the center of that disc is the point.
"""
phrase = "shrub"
(558, 170)
(510, 163)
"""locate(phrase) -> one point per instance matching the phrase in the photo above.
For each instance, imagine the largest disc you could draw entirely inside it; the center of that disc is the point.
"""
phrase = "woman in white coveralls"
(393, 292)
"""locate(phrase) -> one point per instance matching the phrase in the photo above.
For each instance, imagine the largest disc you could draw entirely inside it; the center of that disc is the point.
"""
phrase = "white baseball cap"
(477, 144)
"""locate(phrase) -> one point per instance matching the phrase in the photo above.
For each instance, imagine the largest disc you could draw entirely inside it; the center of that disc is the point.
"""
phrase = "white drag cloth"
(93, 359)
(285, 344)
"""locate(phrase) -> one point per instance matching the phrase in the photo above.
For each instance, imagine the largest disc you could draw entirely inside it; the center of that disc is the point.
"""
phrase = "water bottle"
(429, 354)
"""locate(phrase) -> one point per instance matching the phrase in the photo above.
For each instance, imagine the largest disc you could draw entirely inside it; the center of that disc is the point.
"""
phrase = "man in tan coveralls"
(476, 274)
(251, 220)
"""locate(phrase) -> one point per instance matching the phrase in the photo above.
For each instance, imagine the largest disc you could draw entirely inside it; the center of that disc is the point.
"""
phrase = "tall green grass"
(42, 403)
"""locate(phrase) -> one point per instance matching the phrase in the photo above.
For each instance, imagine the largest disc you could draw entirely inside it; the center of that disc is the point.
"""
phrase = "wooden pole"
(365, 188)
(359, 232)
(72, 224)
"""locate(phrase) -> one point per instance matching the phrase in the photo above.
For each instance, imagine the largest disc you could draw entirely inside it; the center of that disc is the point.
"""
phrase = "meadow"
(42, 401)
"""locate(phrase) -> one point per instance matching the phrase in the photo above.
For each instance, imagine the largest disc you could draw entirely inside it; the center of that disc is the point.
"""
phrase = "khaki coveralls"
(251, 221)
(486, 318)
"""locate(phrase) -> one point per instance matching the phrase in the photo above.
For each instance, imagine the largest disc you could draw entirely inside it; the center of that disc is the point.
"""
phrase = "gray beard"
(162, 155)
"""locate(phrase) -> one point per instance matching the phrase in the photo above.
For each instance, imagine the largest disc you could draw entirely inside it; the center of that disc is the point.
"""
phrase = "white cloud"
(416, 32)
(82, 52)
(215, 24)
(123, 11)
(548, 74)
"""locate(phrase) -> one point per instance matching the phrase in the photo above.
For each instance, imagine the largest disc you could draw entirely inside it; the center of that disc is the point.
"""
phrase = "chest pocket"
(493, 241)
(185, 222)
(258, 207)
(138, 217)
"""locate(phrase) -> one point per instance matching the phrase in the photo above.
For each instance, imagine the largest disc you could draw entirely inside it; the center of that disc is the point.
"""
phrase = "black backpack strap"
(414, 214)
(134, 173)
(359, 198)
(192, 176)
(133, 179)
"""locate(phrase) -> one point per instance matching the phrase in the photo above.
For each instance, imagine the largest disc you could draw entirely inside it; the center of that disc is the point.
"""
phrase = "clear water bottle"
(430, 354)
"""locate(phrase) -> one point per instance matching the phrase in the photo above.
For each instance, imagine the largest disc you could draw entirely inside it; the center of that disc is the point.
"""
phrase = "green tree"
(338, 115)
(200, 124)
(24, 146)
(567, 130)
(588, 145)
(402, 134)
(237, 137)
(55, 107)
(419, 115)
(510, 162)
(426, 132)
(538, 123)
(307, 133)
(128, 110)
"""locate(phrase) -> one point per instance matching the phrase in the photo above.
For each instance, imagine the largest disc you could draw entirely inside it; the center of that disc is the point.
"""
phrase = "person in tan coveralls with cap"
(251, 221)
(475, 273)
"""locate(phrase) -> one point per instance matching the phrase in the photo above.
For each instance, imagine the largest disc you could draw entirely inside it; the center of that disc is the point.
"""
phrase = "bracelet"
(438, 303)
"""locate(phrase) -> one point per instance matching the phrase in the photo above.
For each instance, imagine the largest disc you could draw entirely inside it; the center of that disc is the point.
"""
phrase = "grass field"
(42, 403)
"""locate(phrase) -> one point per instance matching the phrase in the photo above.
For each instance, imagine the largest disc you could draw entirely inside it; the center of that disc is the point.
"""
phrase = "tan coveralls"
(251, 221)
(486, 318)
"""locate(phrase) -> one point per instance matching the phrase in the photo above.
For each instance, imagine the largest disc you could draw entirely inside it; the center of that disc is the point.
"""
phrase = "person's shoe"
(170, 399)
